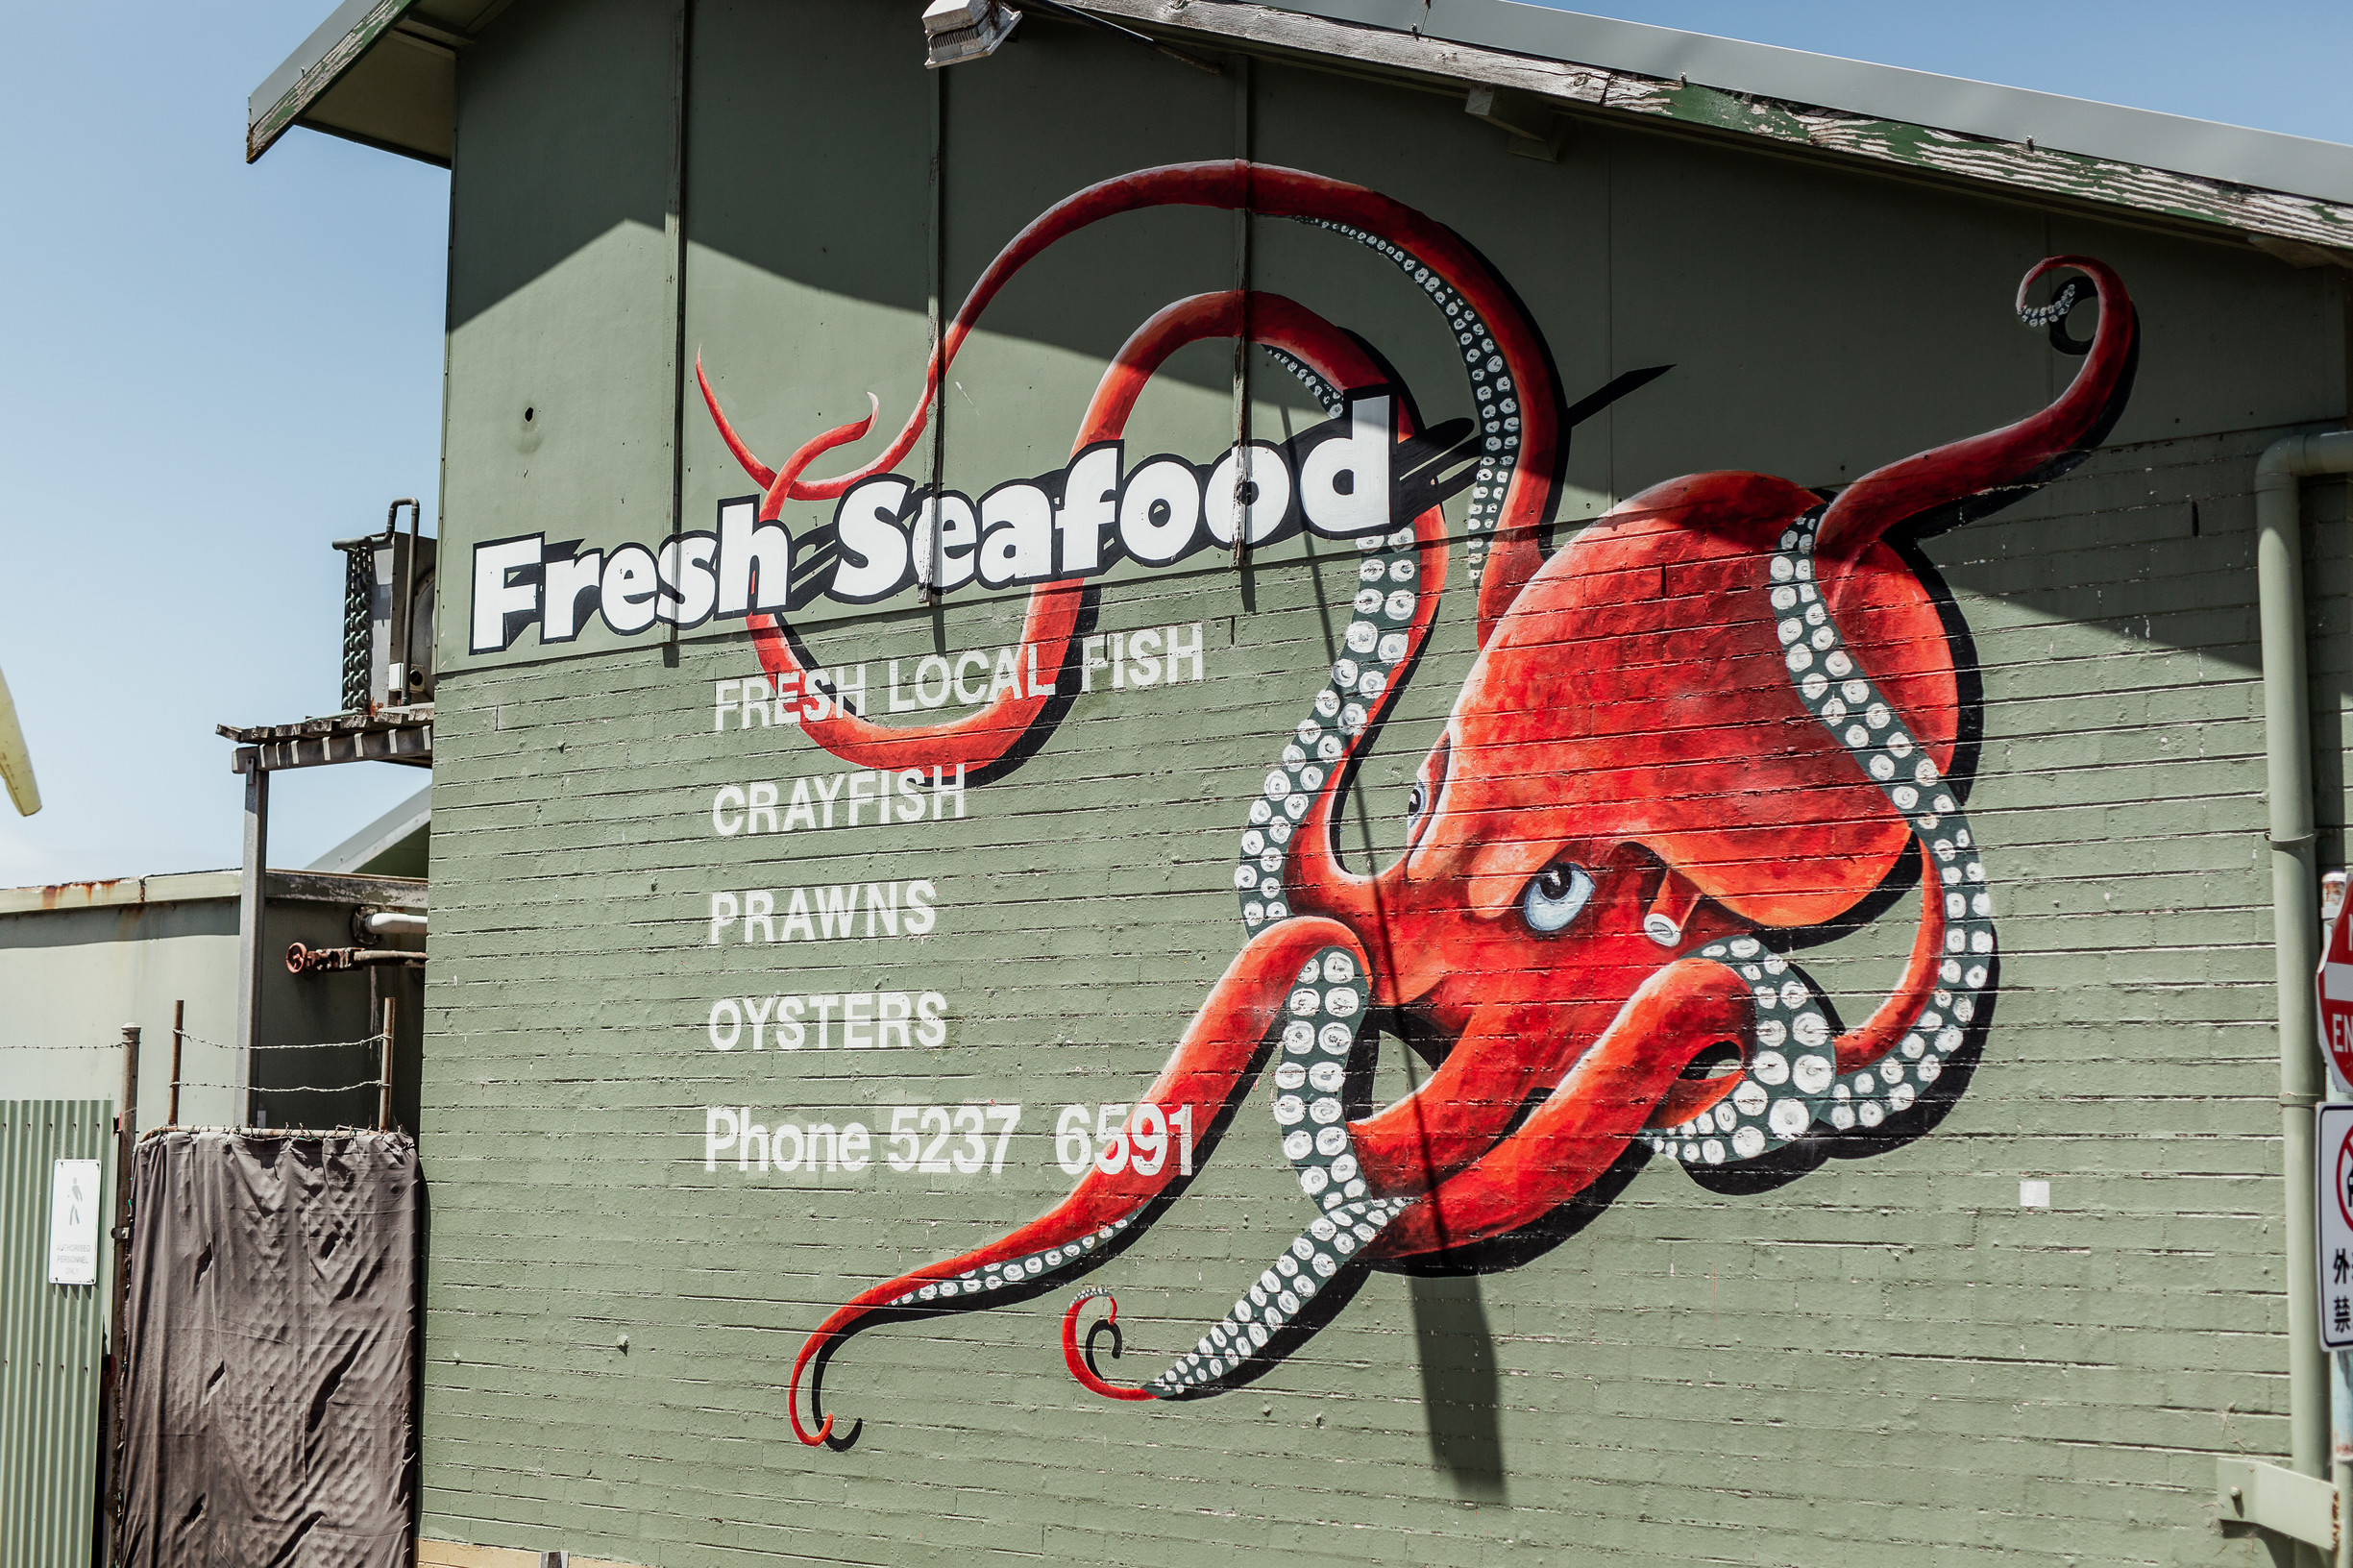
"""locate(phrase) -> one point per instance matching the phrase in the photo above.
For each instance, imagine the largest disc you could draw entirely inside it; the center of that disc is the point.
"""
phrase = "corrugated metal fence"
(52, 1338)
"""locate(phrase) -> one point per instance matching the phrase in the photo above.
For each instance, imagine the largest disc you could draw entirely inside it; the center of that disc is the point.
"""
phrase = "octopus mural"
(1721, 716)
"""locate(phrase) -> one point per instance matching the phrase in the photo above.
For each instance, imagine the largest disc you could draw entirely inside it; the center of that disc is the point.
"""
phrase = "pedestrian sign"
(2335, 1221)
(73, 1222)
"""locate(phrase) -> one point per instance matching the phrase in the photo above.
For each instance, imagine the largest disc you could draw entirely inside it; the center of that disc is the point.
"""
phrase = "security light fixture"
(958, 30)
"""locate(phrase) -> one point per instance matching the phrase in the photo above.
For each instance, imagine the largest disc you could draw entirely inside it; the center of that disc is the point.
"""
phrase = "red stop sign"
(2336, 983)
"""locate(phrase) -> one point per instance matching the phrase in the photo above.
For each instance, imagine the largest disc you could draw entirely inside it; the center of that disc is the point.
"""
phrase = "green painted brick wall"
(1887, 1360)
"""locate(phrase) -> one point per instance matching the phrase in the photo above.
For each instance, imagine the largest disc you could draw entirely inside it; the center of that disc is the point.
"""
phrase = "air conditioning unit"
(388, 617)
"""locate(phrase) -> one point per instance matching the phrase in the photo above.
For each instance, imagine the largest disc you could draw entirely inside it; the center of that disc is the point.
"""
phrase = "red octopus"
(1722, 712)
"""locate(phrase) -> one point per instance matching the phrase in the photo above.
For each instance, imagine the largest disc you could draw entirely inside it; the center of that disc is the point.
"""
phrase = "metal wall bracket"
(1535, 131)
(2300, 1507)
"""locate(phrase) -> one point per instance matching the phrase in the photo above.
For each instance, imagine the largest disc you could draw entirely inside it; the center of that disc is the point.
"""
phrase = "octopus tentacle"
(1081, 1365)
(1207, 1071)
(1504, 353)
(1904, 1047)
(1519, 434)
(1587, 1122)
(1792, 1072)
(1290, 834)
(983, 738)
(1426, 249)
(1402, 575)
(1971, 478)
(1927, 1017)
(1214, 1065)
(1881, 1033)
(761, 474)
(1326, 1012)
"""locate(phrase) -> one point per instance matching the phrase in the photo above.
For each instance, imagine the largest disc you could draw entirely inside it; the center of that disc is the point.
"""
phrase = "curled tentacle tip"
(2045, 268)
(1081, 1361)
(816, 1439)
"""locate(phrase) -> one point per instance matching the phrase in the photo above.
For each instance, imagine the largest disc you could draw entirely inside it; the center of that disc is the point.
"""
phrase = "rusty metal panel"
(52, 1338)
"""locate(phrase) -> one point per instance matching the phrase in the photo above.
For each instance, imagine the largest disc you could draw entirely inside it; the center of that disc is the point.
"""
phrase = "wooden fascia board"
(323, 74)
(2216, 208)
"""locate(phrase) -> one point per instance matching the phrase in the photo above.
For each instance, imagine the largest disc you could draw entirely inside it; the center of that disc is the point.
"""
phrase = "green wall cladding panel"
(52, 1338)
(1855, 1349)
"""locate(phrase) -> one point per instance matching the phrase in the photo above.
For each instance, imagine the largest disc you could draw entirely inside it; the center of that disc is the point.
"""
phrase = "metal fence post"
(126, 1134)
(383, 1092)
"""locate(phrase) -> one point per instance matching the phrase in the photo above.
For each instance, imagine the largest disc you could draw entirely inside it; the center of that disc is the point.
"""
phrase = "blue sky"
(209, 371)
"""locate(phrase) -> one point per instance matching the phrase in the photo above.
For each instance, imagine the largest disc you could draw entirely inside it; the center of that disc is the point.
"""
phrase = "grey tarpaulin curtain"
(269, 1405)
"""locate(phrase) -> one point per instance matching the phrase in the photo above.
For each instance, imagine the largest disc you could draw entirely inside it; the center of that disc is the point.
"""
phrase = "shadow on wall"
(1461, 1385)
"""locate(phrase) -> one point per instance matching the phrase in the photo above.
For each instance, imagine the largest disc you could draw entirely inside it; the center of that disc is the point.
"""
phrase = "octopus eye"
(1554, 896)
(1417, 802)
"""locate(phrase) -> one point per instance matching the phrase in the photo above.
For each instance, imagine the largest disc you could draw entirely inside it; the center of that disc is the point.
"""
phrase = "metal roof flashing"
(2267, 159)
(2291, 195)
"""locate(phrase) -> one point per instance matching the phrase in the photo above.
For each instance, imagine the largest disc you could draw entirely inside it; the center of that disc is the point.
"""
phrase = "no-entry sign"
(2334, 1219)
(2336, 983)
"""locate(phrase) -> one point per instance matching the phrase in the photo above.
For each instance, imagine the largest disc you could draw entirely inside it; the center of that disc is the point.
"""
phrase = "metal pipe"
(2295, 898)
(383, 1091)
(1243, 129)
(681, 81)
(392, 922)
(252, 912)
(303, 960)
(126, 1134)
(179, 1033)
(2340, 1404)
(927, 569)
(404, 595)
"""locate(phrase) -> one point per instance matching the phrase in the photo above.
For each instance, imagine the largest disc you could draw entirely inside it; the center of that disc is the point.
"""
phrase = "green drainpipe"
(2295, 902)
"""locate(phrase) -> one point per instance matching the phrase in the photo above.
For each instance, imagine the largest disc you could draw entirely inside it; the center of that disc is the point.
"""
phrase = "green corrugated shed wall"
(52, 1338)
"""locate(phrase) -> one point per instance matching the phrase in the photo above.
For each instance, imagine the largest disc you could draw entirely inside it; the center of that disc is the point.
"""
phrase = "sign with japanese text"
(2334, 1217)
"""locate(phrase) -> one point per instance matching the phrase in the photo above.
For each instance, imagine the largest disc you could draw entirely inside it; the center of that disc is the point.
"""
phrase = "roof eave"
(345, 83)
(2307, 229)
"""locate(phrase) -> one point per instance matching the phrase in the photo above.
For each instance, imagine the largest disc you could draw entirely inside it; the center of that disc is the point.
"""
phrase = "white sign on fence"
(73, 1223)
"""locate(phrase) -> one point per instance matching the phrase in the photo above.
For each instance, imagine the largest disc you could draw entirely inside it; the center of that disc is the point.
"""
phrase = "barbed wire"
(376, 1038)
(285, 1089)
(187, 1038)
(43, 1046)
(347, 1130)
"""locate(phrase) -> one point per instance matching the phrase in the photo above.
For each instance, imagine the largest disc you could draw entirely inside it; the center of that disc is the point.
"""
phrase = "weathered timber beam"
(343, 888)
(412, 745)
